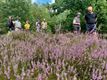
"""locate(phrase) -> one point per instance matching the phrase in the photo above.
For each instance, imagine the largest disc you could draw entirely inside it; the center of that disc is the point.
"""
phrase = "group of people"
(16, 25)
(90, 20)
(41, 26)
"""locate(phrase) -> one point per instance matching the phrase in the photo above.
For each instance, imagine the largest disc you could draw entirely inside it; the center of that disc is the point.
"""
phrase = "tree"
(38, 12)
(81, 5)
(100, 8)
(14, 8)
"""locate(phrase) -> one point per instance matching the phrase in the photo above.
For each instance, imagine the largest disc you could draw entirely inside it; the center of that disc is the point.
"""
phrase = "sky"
(43, 1)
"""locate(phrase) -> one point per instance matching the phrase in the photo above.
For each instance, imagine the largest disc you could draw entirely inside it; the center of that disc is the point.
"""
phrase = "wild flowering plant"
(39, 56)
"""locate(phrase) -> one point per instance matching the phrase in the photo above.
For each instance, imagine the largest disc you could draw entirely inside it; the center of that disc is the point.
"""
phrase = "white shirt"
(17, 24)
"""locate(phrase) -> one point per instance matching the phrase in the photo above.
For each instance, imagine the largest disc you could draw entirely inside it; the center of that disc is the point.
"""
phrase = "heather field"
(38, 56)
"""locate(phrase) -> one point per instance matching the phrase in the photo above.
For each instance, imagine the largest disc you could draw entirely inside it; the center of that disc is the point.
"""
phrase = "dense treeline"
(24, 9)
(74, 6)
(58, 15)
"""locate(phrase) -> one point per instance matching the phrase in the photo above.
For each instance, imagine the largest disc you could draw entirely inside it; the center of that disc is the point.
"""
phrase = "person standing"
(44, 26)
(91, 20)
(10, 24)
(76, 23)
(38, 25)
(27, 25)
(18, 25)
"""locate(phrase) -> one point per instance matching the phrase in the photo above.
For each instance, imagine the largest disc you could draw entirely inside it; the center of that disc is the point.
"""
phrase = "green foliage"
(14, 8)
(62, 16)
(38, 12)
(24, 9)
(66, 10)
(58, 20)
(81, 5)
(100, 8)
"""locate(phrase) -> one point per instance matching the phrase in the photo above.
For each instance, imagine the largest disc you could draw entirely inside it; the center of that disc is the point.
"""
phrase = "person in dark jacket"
(91, 20)
(10, 23)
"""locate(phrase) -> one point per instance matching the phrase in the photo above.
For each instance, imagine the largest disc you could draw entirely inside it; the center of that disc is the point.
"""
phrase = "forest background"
(59, 15)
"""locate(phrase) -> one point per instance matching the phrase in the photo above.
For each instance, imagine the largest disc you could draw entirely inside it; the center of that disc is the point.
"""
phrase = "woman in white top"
(18, 25)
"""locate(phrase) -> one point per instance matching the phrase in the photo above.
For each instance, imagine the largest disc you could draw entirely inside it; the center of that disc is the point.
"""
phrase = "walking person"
(44, 26)
(76, 23)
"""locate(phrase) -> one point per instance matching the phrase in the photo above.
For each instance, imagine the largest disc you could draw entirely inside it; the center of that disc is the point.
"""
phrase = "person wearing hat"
(91, 20)
(76, 23)
(44, 25)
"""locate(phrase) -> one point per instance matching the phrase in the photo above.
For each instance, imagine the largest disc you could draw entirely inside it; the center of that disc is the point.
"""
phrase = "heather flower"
(57, 56)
